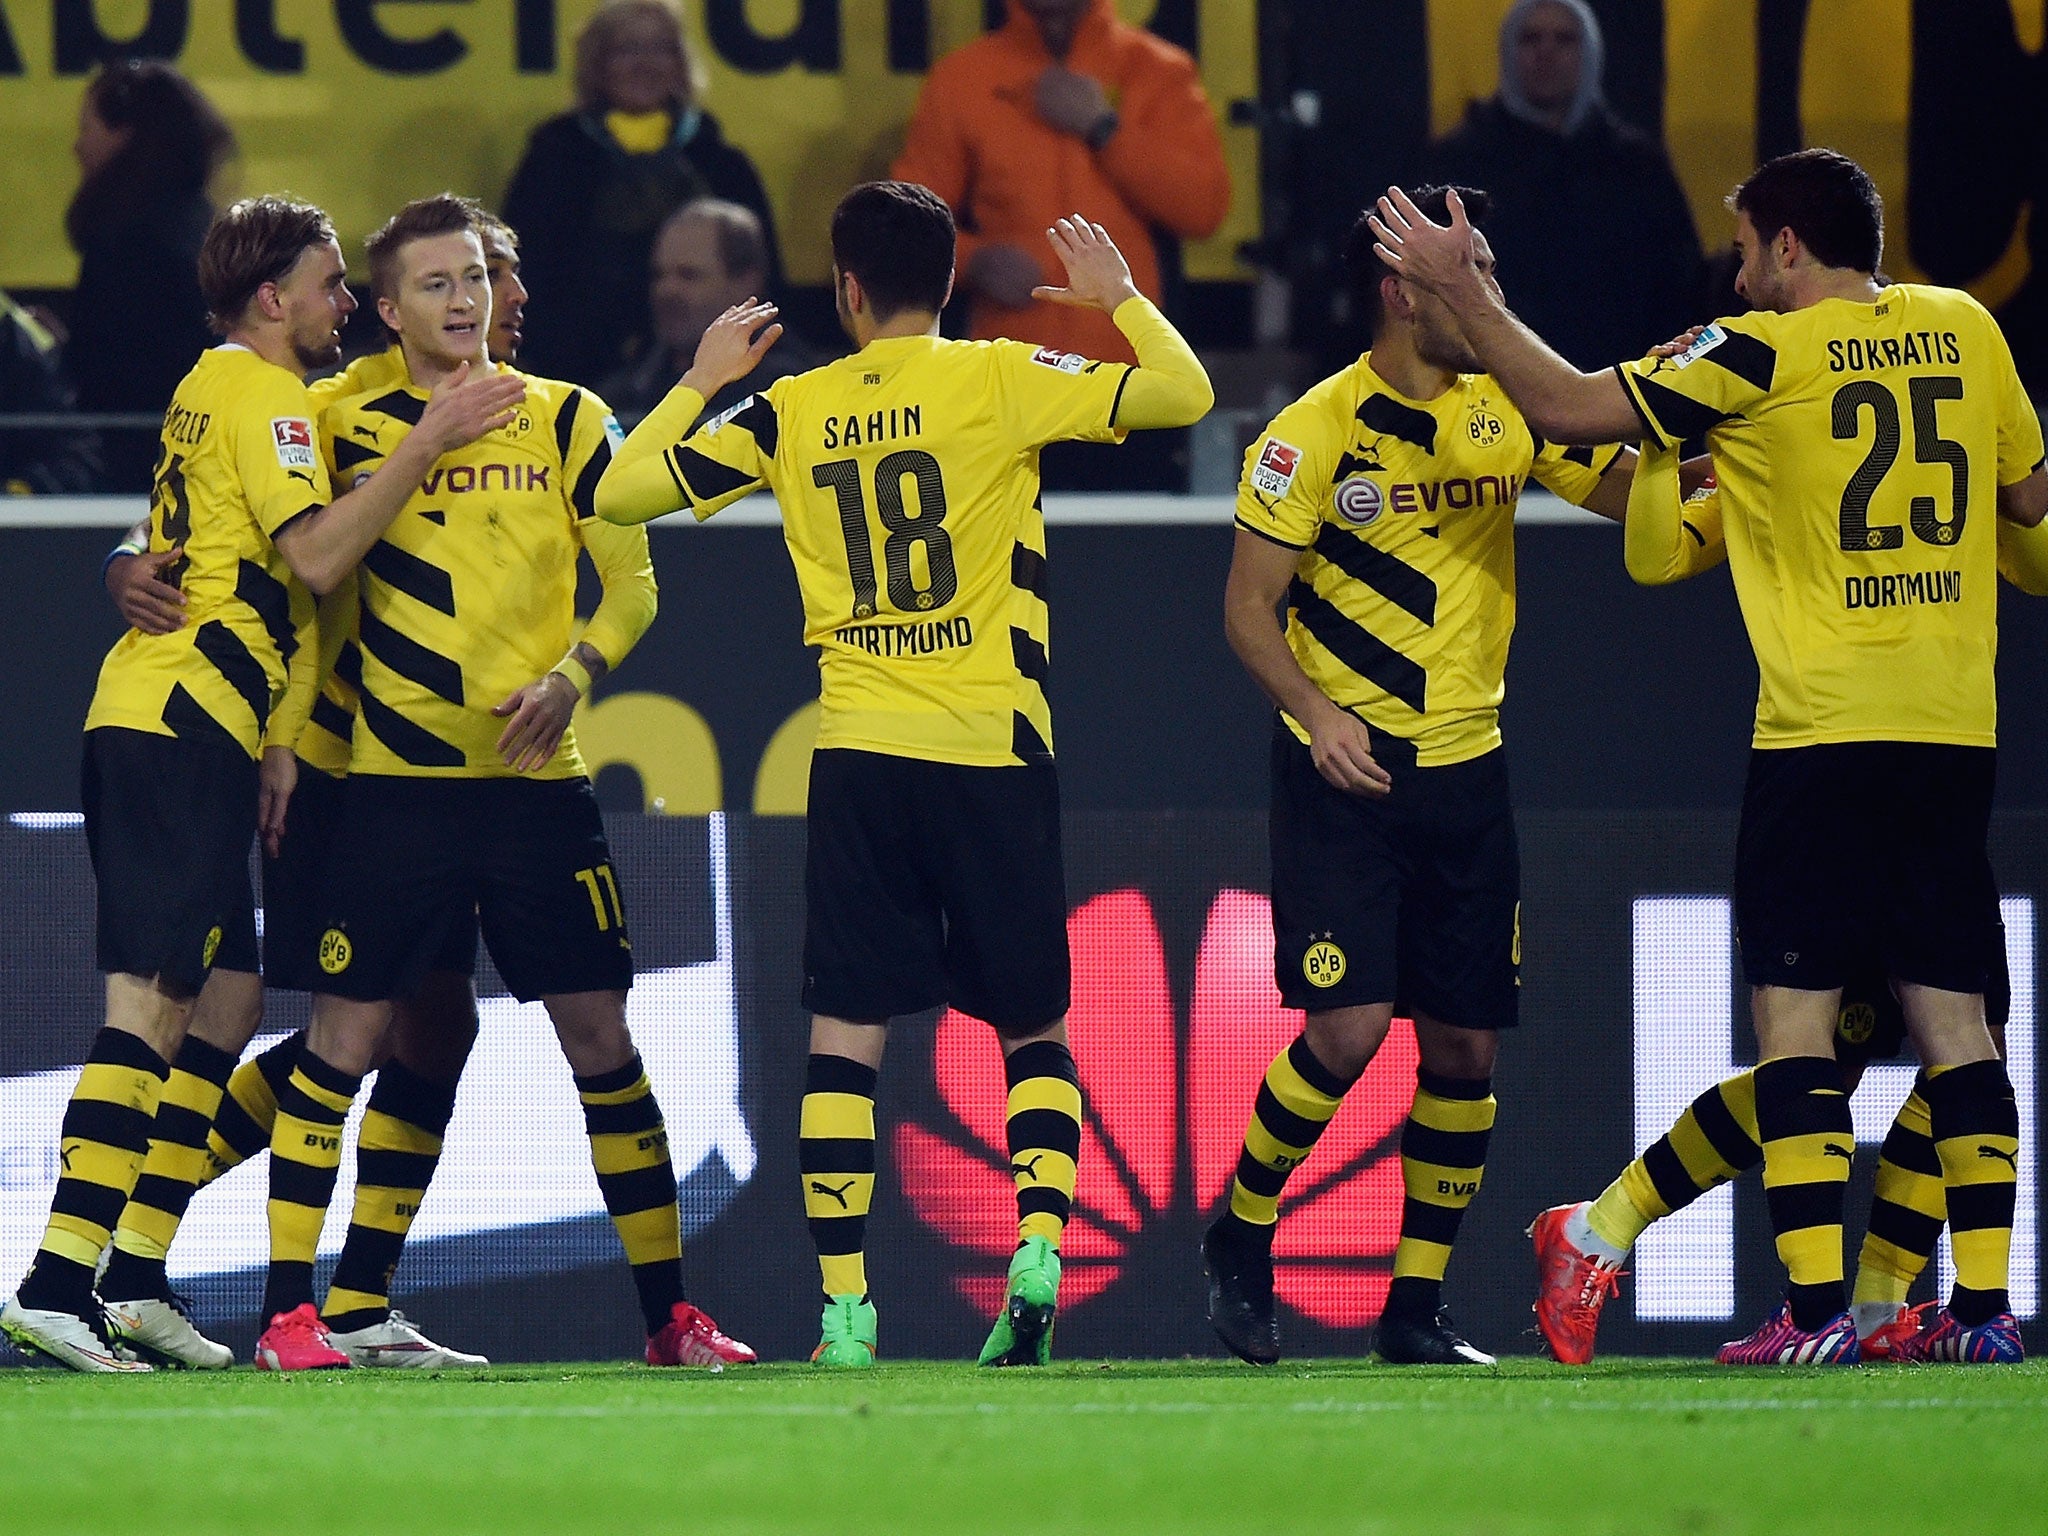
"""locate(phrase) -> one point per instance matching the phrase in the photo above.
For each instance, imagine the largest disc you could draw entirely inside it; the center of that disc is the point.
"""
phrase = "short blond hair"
(599, 33)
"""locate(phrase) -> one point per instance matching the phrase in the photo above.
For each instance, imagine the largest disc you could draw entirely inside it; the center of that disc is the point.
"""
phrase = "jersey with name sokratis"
(908, 480)
(471, 592)
(1403, 599)
(238, 461)
(1859, 448)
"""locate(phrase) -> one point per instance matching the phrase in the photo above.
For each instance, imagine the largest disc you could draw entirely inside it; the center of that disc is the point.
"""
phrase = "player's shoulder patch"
(292, 436)
(1058, 361)
(1274, 470)
(1702, 344)
(613, 432)
(726, 415)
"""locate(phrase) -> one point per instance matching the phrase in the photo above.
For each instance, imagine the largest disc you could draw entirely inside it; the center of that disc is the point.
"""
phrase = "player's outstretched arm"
(323, 546)
(1169, 387)
(1339, 742)
(1560, 402)
(640, 485)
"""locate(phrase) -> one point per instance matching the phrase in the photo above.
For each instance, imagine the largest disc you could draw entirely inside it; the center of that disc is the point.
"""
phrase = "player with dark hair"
(1868, 582)
(908, 479)
(179, 720)
(459, 810)
(1379, 510)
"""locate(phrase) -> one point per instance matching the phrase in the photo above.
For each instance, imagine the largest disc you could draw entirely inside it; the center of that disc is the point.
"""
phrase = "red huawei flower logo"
(1166, 1115)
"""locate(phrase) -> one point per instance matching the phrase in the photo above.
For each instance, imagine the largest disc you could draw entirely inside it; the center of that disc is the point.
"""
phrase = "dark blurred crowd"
(638, 220)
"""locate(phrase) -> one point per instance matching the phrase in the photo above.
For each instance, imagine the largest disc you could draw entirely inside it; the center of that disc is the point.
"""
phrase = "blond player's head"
(433, 287)
(273, 264)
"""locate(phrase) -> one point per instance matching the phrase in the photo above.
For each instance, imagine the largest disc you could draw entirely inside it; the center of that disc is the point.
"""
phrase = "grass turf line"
(1622, 1446)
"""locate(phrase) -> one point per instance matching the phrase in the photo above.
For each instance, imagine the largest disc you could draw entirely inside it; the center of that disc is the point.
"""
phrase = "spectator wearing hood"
(1064, 109)
(597, 183)
(1594, 237)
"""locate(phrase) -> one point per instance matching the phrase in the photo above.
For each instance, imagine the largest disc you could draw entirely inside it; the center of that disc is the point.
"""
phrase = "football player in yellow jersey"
(1866, 574)
(1378, 510)
(466, 799)
(179, 720)
(1580, 1246)
(908, 480)
(208, 1128)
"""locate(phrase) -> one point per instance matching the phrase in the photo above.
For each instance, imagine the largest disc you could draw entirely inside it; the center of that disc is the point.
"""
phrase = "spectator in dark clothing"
(1594, 237)
(149, 145)
(595, 185)
(709, 256)
(38, 461)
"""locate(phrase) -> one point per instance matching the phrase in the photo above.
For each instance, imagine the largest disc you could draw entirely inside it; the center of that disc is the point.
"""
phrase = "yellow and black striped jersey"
(1859, 448)
(239, 461)
(471, 593)
(1403, 601)
(908, 480)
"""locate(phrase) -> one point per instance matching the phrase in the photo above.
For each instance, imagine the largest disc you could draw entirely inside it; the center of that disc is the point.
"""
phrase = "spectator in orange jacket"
(1064, 109)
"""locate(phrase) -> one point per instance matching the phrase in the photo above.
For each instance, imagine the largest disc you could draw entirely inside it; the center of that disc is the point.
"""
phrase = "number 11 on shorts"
(604, 896)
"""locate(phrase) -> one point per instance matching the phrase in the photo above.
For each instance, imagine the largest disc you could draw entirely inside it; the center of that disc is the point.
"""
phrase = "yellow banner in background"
(360, 105)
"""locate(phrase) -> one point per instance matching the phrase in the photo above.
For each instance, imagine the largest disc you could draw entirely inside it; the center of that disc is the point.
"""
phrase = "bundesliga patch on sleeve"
(726, 415)
(1273, 474)
(293, 437)
(1059, 362)
(615, 433)
(1702, 344)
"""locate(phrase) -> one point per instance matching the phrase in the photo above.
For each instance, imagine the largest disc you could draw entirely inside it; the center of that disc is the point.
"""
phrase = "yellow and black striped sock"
(1976, 1126)
(836, 1155)
(1809, 1143)
(305, 1156)
(100, 1149)
(248, 1110)
(1443, 1158)
(1907, 1208)
(1294, 1104)
(1711, 1143)
(396, 1151)
(1045, 1136)
(170, 1173)
(629, 1149)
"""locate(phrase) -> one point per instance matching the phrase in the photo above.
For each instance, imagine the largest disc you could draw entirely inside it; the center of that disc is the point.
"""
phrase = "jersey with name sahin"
(908, 480)
(470, 594)
(1403, 599)
(1859, 447)
(238, 462)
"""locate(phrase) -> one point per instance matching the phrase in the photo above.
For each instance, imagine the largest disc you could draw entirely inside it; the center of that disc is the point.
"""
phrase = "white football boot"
(396, 1344)
(159, 1330)
(63, 1337)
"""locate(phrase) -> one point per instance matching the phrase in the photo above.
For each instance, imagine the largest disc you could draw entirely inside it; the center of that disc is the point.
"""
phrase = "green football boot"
(1023, 1331)
(846, 1340)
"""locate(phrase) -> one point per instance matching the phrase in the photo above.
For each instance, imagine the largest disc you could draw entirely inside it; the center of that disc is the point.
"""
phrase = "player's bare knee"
(591, 1027)
(434, 1029)
(1014, 1037)
(1449, 1051)
(229, 1010)
(346, 1034)
(151, 1009)
(1947, 1028)
(1346, 1039)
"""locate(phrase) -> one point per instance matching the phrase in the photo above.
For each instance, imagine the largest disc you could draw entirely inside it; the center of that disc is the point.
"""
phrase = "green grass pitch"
(1627, 1446)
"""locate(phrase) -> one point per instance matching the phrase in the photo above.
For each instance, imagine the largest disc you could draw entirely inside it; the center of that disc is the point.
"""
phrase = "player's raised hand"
(141, 595)
(463, 408)
(1098, 277)
(1341, 748)
(1437, 256)
(732, 345)
(540, 714)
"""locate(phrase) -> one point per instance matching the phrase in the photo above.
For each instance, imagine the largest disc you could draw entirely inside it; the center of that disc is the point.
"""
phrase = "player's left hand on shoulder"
(540, 713)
